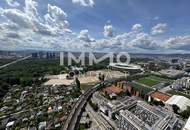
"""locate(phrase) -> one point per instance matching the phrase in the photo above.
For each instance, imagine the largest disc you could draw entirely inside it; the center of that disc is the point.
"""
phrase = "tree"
(128, 93)
(185, 113)
(101, 77)
(175, 108)
(93, 105)
(77, 83)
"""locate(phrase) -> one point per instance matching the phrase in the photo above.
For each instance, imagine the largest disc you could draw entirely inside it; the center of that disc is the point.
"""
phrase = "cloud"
(12, 35)
(84, 36)
(144, 41)
(137, 27)
(86, 3)
(178, 42)
(12, 3)
(160, 28)
(30, 9)
(27, 28)
(53, 23)
(108, 31)
(130, 41)
(57, 16)
(18, 17)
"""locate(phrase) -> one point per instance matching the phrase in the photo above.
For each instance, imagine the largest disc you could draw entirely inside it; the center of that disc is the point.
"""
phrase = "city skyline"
(94, 25)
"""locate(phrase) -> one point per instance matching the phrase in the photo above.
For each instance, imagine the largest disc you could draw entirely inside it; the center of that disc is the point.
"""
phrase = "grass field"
(159, 78)
(152, 80)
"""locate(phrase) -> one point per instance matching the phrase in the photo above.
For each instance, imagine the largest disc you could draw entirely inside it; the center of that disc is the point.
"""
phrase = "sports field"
(152, 80)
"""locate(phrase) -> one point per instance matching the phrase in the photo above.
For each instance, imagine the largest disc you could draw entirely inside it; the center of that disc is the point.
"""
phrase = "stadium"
(130, 68)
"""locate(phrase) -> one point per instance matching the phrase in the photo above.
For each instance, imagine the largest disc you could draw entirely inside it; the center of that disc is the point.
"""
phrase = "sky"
(138, 26)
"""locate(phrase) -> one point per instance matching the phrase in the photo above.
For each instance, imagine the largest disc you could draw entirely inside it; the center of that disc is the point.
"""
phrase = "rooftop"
(146, 117)
(160, 95)
(125, 66)
(171, 72)
(181, 101)
(113, 89)
(187, 125)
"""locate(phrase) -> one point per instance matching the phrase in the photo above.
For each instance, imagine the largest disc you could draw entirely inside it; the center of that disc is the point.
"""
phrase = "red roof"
(161, 96)
(113, 89)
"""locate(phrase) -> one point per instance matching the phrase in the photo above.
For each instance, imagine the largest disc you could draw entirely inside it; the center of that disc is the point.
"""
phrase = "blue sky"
(146, 26)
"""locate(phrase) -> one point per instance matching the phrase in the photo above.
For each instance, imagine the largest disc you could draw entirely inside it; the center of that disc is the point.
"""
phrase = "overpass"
(74, 116)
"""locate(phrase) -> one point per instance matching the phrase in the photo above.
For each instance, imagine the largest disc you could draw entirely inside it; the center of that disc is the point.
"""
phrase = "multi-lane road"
(13, 62)
(74, 116)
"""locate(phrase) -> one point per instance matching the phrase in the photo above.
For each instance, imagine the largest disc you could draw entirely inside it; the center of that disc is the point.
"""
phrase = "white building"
(187, 125)
(172, 73)
(125, 67)
(9, 125)
(181, 101)
(181, 83)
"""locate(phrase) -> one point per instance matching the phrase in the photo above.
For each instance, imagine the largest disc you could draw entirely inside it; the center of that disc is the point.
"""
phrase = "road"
(166, 89)
(72, 119)
(13, 62)
(74, 116)
(102, 123)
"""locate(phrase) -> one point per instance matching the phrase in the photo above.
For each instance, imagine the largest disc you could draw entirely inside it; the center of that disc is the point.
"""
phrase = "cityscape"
(94, 65)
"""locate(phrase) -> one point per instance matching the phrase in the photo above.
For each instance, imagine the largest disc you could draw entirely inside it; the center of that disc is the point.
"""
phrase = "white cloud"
(84, 36)
(108, 31)
(159, 29)
(85, 3)
(56, 17)
(144, 41)
(12, 35)
(18, 17)
(137, 27)
(25, 28)
(12, 3)
(178, 42)
(30, 9)
(53, 23)
(56, 12)
(131, 41)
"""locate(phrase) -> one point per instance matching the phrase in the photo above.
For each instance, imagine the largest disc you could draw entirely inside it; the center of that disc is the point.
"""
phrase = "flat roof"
(171, 72)
(181, 101)
(113, 89)
(160, 95)
(125, 66)
(187, 125)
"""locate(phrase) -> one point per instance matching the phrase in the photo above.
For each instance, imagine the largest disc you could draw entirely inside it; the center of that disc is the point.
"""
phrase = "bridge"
(74, 116)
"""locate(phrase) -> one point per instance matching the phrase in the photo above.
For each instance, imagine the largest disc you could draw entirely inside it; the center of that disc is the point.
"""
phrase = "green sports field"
(152, 80)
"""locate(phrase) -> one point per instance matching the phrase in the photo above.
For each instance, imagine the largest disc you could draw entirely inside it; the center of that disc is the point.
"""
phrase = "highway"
(74, 116)
(13, 62)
